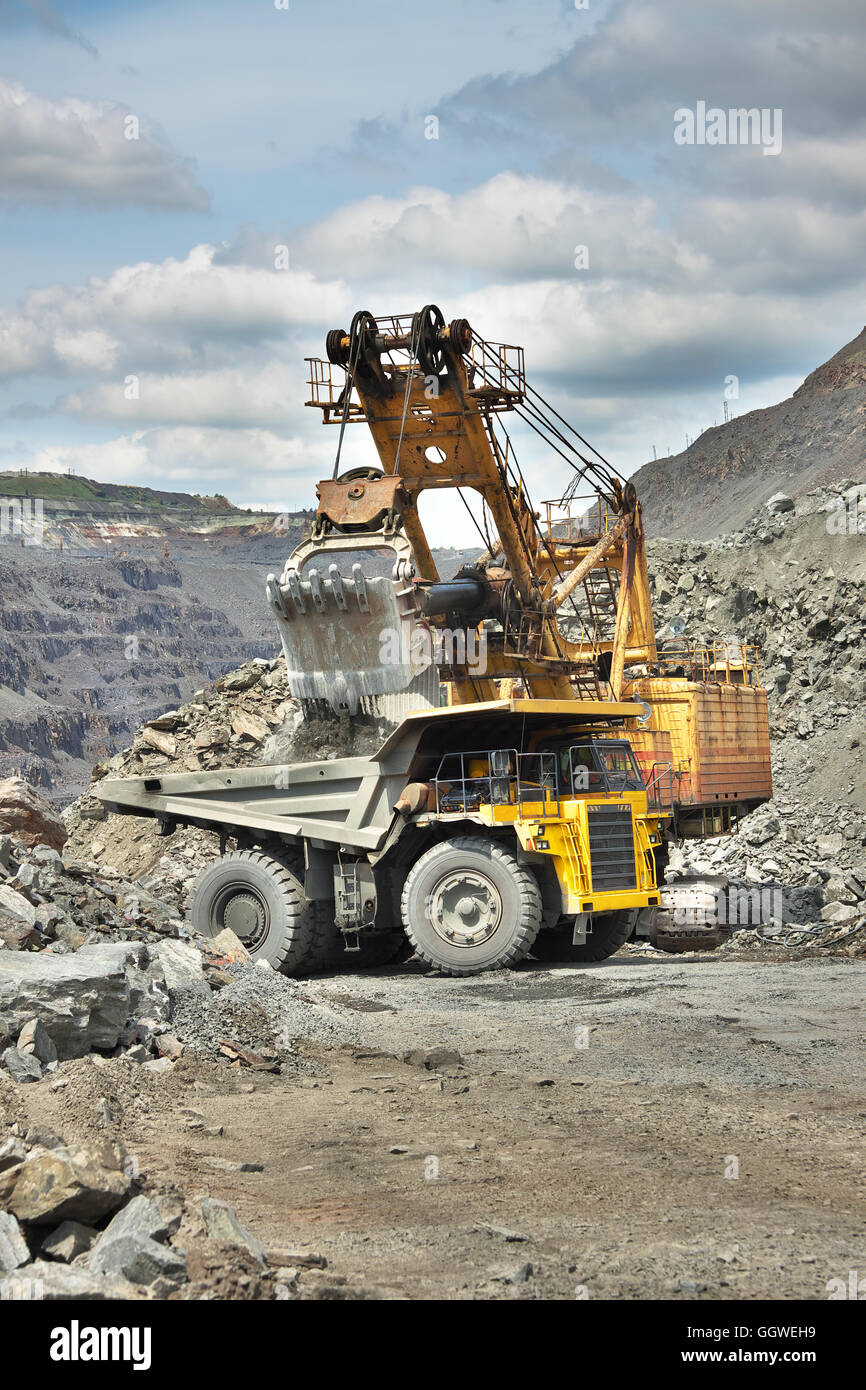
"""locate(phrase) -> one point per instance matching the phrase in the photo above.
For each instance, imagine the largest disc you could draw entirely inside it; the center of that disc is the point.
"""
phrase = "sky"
(192, 194)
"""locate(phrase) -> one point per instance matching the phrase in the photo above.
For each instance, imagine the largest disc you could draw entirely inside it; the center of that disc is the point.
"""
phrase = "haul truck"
(533, 812)
(477, 832)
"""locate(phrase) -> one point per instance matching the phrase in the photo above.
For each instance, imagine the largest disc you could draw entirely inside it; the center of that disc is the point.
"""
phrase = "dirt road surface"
(648, 1128)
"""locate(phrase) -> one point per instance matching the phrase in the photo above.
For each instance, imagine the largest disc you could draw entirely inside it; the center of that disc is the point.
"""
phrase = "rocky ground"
(650, 1128)
(653, 1127)
(793, 583)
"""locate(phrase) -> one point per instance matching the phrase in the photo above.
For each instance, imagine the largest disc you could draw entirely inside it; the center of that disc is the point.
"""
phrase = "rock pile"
(793, 582)
(223, 726)
(58, 905)
(75, 1224)
(96, 962)
(152, 1003)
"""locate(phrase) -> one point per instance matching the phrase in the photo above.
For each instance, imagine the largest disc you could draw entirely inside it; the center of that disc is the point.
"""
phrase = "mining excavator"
(545, 745)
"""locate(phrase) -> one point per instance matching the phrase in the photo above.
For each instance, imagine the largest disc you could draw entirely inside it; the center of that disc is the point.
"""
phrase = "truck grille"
(611, 848)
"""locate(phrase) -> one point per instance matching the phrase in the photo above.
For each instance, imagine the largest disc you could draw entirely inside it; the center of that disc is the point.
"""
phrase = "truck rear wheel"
(610, 930)
(469, 906)
(258, 897)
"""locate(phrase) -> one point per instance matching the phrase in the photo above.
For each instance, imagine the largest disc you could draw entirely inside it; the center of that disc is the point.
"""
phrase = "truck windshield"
(594, 767)
(619, 763)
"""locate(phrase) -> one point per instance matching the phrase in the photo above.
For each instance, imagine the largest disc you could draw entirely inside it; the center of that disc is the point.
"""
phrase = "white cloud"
(206, 460)
(600, 247)
(270, 394)
(82, 150)
(89, 348)
(511, 225)
(148, 315)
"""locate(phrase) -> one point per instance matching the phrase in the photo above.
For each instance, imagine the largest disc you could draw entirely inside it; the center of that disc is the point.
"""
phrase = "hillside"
(70, 488)
(150, 596)
(83, 516)
(816, 437)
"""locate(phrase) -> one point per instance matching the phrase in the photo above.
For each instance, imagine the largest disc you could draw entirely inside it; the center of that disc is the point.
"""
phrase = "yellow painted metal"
(582, 712)
(556, 828)
(574, 550)
(602, 547)
(562, 827)
(446, 438)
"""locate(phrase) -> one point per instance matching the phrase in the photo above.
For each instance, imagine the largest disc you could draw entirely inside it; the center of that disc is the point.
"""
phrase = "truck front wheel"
(469, 906)
(610, 930)
(259, 898)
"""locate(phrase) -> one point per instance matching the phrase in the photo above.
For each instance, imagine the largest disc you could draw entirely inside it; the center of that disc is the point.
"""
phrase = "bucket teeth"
(319, 592)
(293, 584)
(360, 588)
(316, 591)
(348, 641)
(348, 638)
(336, 583)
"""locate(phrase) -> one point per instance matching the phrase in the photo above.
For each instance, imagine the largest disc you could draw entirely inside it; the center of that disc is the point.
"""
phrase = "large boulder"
(85, 999)
(779, 503)
(21, 1066)
(182, 967)
(27, 816)
(14, 905)
(222, 1225)
(141, 1217)
(54, 1185)
(70, 1240)
(138, 1259)
(13, 1246)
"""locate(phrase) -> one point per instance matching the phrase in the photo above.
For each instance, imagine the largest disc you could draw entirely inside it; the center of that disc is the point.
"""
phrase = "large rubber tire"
(470, 887)
(610, 930)
(257, 896)
(324, 937)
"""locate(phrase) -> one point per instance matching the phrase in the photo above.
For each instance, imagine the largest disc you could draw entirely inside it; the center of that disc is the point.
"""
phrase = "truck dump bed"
(348, 801)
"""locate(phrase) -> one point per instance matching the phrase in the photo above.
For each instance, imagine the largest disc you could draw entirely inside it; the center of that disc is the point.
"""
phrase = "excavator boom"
(560, 613)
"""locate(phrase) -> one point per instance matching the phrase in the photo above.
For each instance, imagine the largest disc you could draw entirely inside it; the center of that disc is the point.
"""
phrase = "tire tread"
(530, 899)
(294, 954)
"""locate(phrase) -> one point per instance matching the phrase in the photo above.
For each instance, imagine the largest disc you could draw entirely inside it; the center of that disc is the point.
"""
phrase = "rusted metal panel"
(719, 738)
(361, 502)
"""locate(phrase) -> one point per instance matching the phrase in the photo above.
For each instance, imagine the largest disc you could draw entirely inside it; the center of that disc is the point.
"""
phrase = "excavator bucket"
(351, 635)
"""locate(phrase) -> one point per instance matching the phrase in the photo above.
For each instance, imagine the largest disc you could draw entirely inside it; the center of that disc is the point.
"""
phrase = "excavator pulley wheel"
(364, 361)
(336, 347)
(360, 475)
(427, 325)
(460, 335)
(362, 331)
